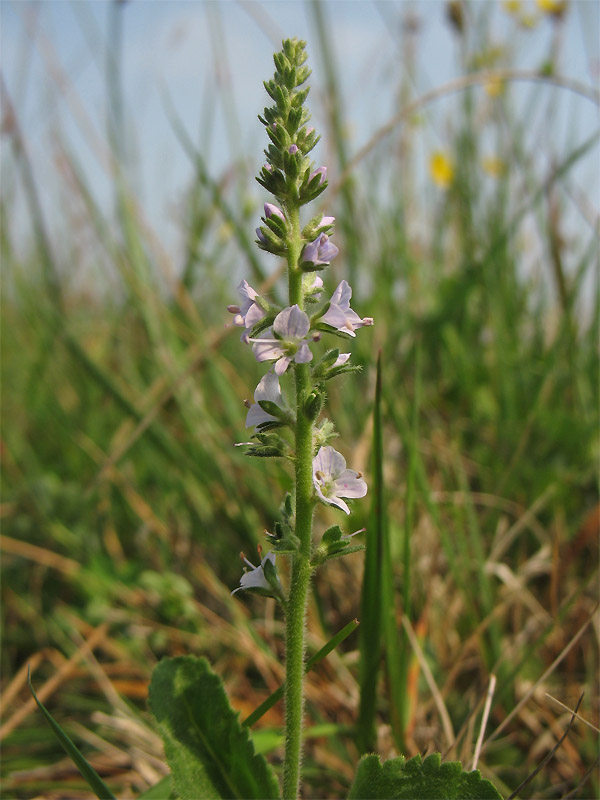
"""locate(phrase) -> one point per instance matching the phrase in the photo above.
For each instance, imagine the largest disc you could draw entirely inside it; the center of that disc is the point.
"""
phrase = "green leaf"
(160, 791)
(208, 751)
(94, 780)
(419, 780)
(371, 606)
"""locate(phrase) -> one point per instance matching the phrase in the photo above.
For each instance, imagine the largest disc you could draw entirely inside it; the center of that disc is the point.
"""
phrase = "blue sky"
(211, 57)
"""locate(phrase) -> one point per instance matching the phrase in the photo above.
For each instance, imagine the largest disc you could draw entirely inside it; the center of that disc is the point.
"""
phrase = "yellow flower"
(494, 166)
(441, 169)
(554, 7)
(512, 6)
(494, 87)
(528, 20)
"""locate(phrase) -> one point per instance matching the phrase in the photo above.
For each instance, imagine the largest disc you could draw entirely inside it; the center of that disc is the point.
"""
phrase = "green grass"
(120, 410)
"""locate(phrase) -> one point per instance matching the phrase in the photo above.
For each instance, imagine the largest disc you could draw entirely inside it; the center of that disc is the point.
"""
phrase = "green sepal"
(273, 181)
(272, 578)
(325, 363)
(286, 417)
(279, 136)
(292, 164)
(343, 368)
(309, 190)
(269, 445)
(332, 535)
(313, 405)
(271, 425)
(310, 266)
(263, 324)
(334, 544)
(321, 326)
(283, 539)
(273, 244)
(324, 432)
(293, 121)
(419, 779)
(209, 752)
(277, 225)
(299, 98)
(302, 74)
(287, 507)
(312, 229)
(306, 142)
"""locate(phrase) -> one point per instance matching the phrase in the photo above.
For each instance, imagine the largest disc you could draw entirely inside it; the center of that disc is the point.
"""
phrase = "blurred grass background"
(124, 503)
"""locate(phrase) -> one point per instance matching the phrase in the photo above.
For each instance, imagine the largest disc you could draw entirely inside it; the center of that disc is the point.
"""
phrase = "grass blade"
(94, 780)
(371, 601)
(319, 656)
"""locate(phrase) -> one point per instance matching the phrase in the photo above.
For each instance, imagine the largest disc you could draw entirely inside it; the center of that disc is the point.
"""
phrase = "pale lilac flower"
(291, 326)
(268, 167)
(272, 210)
(267, 389)
(255, 578)
(322, 171)
(249, 313)
(260, 236)
(333, 481)
(293, 149)
(339, 314)
(340, 360)
(326, 221)
(316, 287)
(320, 252)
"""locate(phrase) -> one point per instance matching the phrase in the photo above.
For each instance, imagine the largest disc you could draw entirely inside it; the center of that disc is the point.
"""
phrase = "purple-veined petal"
(282, 364)
(329, 462)
(342, 295)
(350, 484)
(292, 323)
(303, 355)
(265, 348)
(337, 501)
(340, 360)
(337, 318)
(253, 315)
(268, 389)
(327, 251)
(255, 578)
(257, 416)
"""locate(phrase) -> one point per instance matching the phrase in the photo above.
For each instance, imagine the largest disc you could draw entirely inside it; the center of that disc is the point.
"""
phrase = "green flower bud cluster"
(289, 174)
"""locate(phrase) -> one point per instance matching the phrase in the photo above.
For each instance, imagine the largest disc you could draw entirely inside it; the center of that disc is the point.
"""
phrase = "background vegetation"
(125, 503)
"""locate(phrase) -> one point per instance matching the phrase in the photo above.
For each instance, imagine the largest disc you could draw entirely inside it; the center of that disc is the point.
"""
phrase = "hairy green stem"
(301, 570)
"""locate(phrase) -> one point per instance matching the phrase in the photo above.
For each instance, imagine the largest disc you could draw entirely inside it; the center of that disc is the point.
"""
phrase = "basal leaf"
(210, 754)
(419, 779)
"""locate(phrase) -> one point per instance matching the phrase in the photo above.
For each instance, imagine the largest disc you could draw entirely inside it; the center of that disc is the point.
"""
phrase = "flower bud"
(322, 172)
(319, 253)
(272, 210)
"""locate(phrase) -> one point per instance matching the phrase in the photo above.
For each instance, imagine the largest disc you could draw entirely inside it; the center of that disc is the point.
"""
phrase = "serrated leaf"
(210, 754)
(419, 779)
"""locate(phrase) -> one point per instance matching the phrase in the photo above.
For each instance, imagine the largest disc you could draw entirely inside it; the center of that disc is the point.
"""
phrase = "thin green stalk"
(301, 569)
